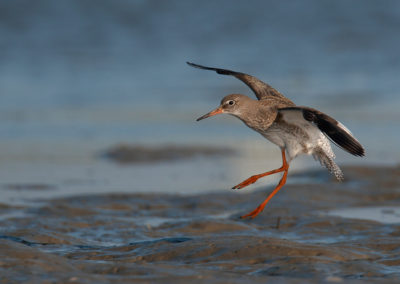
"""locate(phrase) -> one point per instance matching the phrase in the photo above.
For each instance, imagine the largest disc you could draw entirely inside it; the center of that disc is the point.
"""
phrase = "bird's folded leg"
(254, 178)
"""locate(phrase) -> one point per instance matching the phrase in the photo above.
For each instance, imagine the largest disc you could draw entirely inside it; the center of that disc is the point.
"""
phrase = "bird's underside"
(295, 129)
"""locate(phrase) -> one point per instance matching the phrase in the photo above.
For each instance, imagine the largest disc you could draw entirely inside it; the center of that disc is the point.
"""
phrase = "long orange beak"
(216, 111)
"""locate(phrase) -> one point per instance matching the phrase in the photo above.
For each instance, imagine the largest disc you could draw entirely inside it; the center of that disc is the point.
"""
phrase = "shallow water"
(78, 79)
(384, 214)
(168, 237)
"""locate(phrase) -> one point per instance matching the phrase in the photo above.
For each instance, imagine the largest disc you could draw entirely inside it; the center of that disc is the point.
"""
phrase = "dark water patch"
(29, 186)
(175, 240)
(168, 240)
(126, 154)
(21, 241)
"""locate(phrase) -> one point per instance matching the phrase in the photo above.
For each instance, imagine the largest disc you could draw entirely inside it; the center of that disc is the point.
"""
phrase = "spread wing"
(332, 128)
(260, 89)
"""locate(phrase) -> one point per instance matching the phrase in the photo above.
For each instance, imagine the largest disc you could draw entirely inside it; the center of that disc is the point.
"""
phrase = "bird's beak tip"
(211, 113)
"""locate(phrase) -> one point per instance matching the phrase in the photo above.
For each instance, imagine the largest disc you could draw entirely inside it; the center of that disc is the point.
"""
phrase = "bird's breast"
(294, 138)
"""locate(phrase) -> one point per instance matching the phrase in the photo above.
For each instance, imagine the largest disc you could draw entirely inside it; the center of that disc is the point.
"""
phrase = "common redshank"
(295, 129)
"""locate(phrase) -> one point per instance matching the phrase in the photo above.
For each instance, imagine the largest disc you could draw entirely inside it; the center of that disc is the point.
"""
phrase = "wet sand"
(148, 238)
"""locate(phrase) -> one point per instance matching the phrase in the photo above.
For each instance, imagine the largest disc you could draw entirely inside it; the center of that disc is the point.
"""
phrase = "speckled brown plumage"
(295, 129)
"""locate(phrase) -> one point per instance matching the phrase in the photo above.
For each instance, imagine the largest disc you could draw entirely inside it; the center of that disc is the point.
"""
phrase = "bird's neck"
(258, 118)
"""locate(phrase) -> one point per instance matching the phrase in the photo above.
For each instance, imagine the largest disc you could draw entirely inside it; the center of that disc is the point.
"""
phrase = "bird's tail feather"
(328, 162)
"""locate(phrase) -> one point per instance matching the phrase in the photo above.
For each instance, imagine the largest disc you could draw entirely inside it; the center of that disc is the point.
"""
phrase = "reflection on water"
(386, 215)
(78, 78)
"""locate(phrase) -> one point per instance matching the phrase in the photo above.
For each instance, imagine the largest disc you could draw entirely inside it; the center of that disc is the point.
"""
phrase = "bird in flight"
(294, 129)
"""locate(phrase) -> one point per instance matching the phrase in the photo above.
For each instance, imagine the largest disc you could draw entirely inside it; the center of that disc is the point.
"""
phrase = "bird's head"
(233, 104)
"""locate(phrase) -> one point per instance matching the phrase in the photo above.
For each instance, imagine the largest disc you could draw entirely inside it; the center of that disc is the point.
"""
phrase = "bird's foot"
(254, 213)
(247, 182)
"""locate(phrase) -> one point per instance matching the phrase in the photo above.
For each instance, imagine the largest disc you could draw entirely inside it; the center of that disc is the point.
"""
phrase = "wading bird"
(294, 129)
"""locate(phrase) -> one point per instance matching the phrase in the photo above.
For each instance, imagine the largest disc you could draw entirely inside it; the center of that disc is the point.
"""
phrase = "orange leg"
(284, 168)
(254, 178)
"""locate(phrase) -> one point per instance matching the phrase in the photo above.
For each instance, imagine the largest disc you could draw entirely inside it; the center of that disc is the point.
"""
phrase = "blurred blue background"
(77, 77)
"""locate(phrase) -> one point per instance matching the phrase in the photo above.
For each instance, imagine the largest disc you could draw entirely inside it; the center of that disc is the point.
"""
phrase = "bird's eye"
(231, 102)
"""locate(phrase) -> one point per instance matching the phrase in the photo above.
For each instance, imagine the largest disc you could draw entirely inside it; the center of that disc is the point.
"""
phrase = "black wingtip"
(336, 131)
(354, 149)
(360, 152)
(197, 65)
(200, 66)
(218, 70)
(348, 142)
(358, 149)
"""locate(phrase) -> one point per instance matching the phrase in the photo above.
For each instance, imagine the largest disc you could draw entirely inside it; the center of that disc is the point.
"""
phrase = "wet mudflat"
(147, 238)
